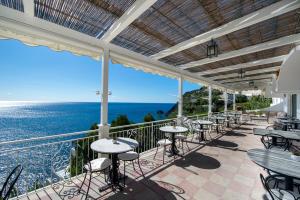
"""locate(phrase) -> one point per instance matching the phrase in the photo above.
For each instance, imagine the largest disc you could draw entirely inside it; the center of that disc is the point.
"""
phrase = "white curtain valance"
(56, 46)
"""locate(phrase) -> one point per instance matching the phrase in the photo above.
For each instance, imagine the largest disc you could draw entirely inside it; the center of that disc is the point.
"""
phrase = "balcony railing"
(52, 159)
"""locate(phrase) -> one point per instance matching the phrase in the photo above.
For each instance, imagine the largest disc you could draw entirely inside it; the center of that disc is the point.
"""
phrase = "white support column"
(234, 106)
(180, 103)
(209, 100)
(104, 126)
(225, 101)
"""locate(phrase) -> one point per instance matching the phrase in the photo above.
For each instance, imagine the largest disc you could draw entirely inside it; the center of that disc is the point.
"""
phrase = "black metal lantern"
(212, 49)
(242, 73)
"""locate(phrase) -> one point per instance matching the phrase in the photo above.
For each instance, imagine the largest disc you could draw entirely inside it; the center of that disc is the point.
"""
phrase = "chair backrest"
(10, 182)
(281, 141)
(83, 153)
(266, 185)
(272, 194)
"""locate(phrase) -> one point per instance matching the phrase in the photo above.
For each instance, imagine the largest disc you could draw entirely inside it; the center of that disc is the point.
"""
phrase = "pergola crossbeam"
(138, 8)
(243, 65)
(290, 39)
(263, 14)
(251, 78)
(252, 72)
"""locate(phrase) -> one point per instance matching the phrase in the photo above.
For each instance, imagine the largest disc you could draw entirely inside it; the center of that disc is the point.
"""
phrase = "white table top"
(107, 146)
(204, 122)
(171, 129)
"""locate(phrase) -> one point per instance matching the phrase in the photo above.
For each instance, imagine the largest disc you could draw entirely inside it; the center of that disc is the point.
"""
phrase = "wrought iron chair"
(276, 193)
(9, 183)
(99, 165)
(165, 142)
(131, 156)
(282, 143)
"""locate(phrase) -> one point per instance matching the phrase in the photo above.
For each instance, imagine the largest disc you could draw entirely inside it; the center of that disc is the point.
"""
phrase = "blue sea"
(27, 120)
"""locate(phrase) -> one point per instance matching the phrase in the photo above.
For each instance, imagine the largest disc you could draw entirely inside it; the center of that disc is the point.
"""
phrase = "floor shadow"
(244, 128)
(148, 189)
(198, 160)
(222, 143)
(233, 133)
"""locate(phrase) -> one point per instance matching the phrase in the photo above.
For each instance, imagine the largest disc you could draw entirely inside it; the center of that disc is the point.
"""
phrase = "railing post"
(209, 100)
(152, 135)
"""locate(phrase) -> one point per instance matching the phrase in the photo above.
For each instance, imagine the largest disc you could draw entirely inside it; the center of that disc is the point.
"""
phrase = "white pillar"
(209, 100)
(234, 106)
(104, 126)
(180, 103)
(225, 101)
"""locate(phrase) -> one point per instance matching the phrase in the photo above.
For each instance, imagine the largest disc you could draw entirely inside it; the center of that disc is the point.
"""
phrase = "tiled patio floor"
(220, 169)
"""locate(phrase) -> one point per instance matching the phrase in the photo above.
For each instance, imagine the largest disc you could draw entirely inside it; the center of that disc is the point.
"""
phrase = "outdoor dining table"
(173, 130)
(108, 146)
(201, 123)
(277, 161)
(286, 134)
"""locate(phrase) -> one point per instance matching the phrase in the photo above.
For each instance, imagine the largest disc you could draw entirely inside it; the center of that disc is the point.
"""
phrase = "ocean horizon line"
(78, 102)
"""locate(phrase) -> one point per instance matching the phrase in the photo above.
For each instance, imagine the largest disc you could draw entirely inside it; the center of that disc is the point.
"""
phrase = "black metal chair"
(131, 156)
(272, 140)
(10, 181)
(98, 165)
(276, 193)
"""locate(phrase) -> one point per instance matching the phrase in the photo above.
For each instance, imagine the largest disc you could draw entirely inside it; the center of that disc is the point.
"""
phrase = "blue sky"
(41, 74)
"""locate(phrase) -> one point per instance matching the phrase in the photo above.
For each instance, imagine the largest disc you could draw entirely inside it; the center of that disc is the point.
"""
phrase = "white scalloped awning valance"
(54, 45)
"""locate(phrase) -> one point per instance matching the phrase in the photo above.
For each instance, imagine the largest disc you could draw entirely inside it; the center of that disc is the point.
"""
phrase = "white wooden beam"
(29, 7)
(263, 14)
(138, 8)
(264, 76)
(236, 74)
(243, 65)
(13, 21)
(247, 50)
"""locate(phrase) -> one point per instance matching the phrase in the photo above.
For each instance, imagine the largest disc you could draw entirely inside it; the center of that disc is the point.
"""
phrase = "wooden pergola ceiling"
(164, 24)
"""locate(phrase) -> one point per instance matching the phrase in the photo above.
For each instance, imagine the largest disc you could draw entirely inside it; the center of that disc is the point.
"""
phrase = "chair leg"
(140, 166)
(133, 165)
(124, 173)
(155, 152)
(88, 189)
(182, 147)
(164, 151)
(83, 181)
(186, 142)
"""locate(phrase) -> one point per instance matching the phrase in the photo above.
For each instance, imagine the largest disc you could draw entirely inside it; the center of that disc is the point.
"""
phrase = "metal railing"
(51, 160)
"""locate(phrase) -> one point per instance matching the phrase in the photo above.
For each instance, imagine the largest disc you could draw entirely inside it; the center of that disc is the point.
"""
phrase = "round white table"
(107, 146)
(173, 130)
(201, 123)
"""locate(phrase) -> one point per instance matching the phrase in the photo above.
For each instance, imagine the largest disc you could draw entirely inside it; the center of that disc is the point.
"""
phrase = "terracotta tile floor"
(220, 169)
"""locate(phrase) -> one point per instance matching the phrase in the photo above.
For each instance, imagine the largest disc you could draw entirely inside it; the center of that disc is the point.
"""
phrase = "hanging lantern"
(242, 73)
(212, 49)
